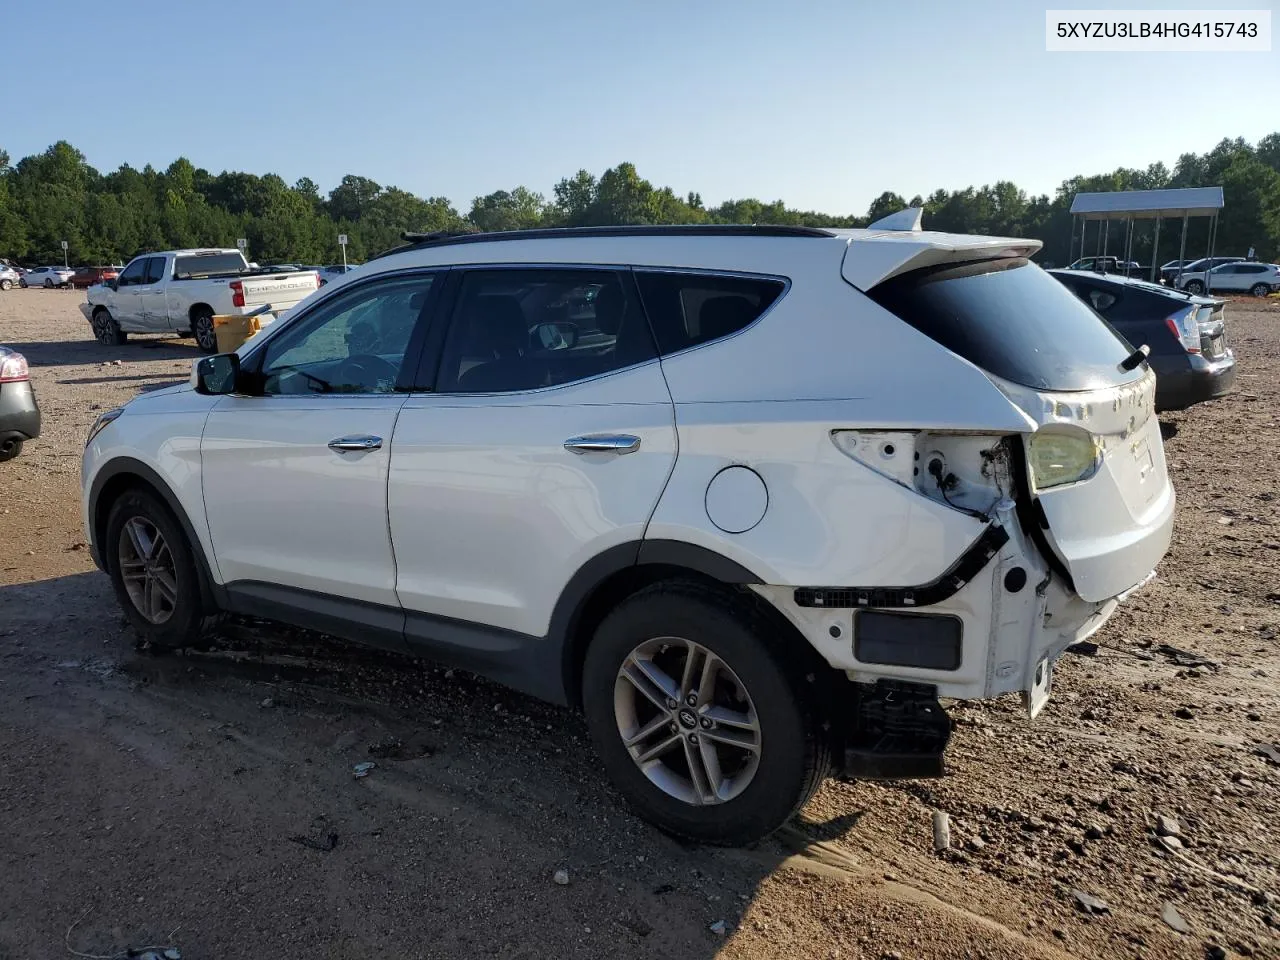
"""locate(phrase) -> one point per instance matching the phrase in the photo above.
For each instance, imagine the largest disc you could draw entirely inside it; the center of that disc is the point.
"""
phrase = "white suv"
(752, 498)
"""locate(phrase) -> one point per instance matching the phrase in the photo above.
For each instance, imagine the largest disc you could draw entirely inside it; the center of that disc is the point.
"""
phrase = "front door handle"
(356, 443)
(603, 443)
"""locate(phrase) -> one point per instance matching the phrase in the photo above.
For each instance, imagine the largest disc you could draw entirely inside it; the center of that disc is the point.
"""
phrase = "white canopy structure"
(1158, 205)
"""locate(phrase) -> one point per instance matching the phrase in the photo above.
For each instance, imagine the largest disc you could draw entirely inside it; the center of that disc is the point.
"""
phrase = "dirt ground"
(207, 801)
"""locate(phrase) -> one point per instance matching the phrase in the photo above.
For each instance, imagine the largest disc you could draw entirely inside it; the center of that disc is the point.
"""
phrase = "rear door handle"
(603, 443)
(356, 443)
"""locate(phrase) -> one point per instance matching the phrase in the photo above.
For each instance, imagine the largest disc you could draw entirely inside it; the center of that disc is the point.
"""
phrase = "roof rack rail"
(417, 241)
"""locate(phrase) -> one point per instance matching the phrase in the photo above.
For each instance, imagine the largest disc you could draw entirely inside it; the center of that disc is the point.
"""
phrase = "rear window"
(203, 266)
(1013, 320)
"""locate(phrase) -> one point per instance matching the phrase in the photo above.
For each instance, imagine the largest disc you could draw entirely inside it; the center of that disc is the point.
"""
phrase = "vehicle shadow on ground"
(53, 353)
(507, 788)
(123, 378)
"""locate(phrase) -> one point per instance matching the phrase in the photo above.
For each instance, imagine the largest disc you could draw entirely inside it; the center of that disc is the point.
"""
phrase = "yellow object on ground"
(232, 331)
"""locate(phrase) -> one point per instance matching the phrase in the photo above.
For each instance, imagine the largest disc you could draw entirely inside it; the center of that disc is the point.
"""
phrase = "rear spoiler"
(879, 253)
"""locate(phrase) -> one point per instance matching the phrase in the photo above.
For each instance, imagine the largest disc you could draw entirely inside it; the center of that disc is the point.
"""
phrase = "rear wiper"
(1135, 358)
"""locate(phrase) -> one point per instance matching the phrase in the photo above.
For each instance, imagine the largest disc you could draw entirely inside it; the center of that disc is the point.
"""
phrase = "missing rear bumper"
(894, 731)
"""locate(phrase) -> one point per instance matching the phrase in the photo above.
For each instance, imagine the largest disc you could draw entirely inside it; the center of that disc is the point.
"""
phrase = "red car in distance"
(86, 277)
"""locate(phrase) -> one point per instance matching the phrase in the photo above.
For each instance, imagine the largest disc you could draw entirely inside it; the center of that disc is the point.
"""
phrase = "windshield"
(1013, 320)
(206, 264)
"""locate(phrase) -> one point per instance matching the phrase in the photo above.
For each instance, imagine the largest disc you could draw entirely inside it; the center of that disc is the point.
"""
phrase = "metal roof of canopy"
(1148, 204)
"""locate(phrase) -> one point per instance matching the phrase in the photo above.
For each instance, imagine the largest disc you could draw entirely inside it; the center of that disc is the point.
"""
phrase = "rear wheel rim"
(148, 570)
(48, 284)
(204, 332)
(687, 721)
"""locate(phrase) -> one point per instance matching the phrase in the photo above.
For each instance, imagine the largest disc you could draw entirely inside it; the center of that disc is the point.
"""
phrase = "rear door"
(151, 294)
(546, 438)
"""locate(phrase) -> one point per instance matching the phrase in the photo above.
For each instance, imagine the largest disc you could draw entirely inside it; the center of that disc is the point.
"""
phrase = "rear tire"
(10, 448)
(1194, 287)
(737, 795)
(6, 284)
(106, 330)
(202, 328)
(48, 284)
(1260, 290)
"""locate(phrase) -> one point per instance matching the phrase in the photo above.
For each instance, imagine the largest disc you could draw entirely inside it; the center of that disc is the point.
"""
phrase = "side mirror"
(216, 375)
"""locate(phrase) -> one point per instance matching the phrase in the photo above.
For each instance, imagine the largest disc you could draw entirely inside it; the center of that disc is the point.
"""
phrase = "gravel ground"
(190, 800)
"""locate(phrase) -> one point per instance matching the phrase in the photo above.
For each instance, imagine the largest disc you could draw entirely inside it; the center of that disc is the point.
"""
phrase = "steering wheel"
(365, 369)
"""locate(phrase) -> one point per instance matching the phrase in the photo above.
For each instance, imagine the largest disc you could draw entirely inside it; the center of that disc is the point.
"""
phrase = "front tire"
(106, 330)
(1194, 287)
(202, 327)
(154, 572)
(6, 284)
(1260, 290)
(700, 725)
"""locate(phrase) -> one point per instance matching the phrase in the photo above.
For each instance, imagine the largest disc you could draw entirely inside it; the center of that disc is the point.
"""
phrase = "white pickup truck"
(180, 291)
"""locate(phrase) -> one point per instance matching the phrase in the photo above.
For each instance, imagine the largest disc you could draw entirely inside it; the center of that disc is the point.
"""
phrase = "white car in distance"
(752, 498)
(48, 277)
(1257, 279)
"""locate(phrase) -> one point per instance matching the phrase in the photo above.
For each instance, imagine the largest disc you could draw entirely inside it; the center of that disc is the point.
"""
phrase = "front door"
(125, 303)
(548, 439)
(295, 475)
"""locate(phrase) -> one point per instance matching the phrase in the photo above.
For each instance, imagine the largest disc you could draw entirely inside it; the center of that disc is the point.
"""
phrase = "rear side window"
(155, 270)
(203, 266)
(687, 309)
(1013, 320)
(517, 330)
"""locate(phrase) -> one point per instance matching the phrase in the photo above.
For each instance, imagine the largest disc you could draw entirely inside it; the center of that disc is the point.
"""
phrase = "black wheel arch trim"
(212, 594)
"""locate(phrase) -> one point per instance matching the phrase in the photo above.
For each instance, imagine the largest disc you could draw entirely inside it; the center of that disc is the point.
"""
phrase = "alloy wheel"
(205, 337)
(148, 570)
(687, 721)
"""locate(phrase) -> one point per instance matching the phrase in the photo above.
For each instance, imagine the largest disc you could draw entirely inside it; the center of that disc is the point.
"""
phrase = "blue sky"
(822, 104)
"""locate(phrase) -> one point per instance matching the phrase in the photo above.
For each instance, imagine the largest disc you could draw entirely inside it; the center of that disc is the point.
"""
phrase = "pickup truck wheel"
(1260, 290)
(105, 329)
(699, 724)
(202, 327)
(1194, 287)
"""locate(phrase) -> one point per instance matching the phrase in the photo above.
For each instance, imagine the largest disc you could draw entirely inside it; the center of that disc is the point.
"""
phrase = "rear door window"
(688, 309)
(1013, 320)
(155, 270)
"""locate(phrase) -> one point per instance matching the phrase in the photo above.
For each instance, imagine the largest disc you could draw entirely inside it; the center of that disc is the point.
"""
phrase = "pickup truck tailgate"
(281, 291)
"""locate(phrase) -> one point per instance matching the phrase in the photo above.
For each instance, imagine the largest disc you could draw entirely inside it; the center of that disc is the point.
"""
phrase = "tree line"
(108, 218)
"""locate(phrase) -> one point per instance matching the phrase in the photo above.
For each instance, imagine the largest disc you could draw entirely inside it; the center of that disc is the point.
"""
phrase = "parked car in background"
(86, 277)
(48, 277)
(1186, 334)
(1170, 270)
(334, 270)
(1195, 266)
(1107, 265)
(19, 412)
(1257, 279)
(180, 291)
(9, 277)
(619, 468)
